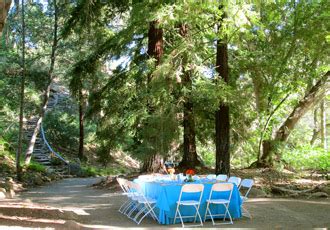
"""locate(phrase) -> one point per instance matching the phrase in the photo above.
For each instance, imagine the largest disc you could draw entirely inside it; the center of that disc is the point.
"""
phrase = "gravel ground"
(97, 208)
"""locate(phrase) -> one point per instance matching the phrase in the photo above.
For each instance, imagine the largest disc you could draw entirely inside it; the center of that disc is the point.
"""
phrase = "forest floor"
(74, 203)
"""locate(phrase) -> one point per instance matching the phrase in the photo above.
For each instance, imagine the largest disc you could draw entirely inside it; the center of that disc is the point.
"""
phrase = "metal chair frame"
(144, 207)
(222, 177)
(123, 186)
(246, 183)
(220, 187)
(211, 176)
(235, 180)
(190, 188)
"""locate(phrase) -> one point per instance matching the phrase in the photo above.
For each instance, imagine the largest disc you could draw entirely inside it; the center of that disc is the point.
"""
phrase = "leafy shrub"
(62, 128)
(307, 157)
(34, 166)
(90, 171)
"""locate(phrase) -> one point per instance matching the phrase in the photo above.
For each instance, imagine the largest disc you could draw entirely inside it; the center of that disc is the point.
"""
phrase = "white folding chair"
(195, 177)
(190, 188)
(235, 180)
(146, 177)
(220, 187)
(122, 184)
(145, 205)
(134, 197)
(222, 177)
(246, 184)
(211, 176)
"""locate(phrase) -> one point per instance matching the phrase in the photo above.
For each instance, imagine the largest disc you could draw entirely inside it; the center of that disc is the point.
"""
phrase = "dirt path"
(97, 208)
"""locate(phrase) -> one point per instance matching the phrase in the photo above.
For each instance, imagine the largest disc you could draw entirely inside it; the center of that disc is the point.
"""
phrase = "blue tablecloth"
(167, 194)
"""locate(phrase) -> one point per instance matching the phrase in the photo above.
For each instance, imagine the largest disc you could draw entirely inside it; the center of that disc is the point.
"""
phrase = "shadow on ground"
(97, 208)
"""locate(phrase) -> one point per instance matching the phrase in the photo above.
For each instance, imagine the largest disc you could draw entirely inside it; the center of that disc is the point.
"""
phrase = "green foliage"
(62, 129)
(89, 171)
(35, 166)
(207, 154)
(307, 158)
(276, 50)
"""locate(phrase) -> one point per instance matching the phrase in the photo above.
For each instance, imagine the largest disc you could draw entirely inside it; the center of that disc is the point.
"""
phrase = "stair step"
(40, 160)
(41, 156)
(46, 163)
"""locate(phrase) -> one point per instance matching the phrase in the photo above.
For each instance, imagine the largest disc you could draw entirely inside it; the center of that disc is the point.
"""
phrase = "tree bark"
(315, 129)
(29, 151)
(190, 158)
(323, 127)
(154, 162)
(81, 124)
(301, 108)
(4, 8)
(285, 129)
(155, 41)
(21, 108)
(222, 116)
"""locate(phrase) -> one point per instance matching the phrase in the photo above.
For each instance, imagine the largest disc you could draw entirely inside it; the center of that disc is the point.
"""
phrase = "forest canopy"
(218, 84)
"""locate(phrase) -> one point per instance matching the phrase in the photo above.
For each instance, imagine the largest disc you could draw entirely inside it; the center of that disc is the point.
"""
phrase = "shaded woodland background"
(211, 84)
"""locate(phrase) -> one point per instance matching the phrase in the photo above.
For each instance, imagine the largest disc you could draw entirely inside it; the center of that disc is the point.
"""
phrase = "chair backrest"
(135, 187)
(146, 177)
(122, 184)
(222, 177)
(196, 177)
(192, 188)
(235, 180)
(211, 176)
(222, 187)
(246, 183)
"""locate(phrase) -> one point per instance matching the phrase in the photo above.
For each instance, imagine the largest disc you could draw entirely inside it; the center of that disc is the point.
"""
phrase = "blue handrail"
(49, 147)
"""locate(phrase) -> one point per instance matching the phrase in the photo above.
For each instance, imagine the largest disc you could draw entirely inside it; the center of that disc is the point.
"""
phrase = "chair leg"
(224, 216)
(176, 213)
(245, 211)
(199, 216)
(127, 208)
(133, 209)
(153, 212)
(227, 208)
(181, 218)
(149, 211)
(208, 210)
(207, 206)
(123, 206)
(195, 218)
(138, 214)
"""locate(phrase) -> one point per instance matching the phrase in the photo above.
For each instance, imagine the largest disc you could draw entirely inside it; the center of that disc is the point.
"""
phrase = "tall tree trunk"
(21, 108)
(4, 8)
(190, 158)
(222, 118)
(315, 128)
(155, 41)
(323, 125)
(81, 124)
(154, 162)
(28, 153)
(282, 134)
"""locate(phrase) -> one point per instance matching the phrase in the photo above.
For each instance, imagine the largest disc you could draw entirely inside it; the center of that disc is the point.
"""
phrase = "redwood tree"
(222, 119)
(154, 162)
(189, 159)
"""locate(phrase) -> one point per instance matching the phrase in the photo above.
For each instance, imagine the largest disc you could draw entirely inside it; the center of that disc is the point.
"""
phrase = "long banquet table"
(167, 194)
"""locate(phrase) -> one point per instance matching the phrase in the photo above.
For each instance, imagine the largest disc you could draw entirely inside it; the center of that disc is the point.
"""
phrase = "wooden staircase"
(43, 152)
